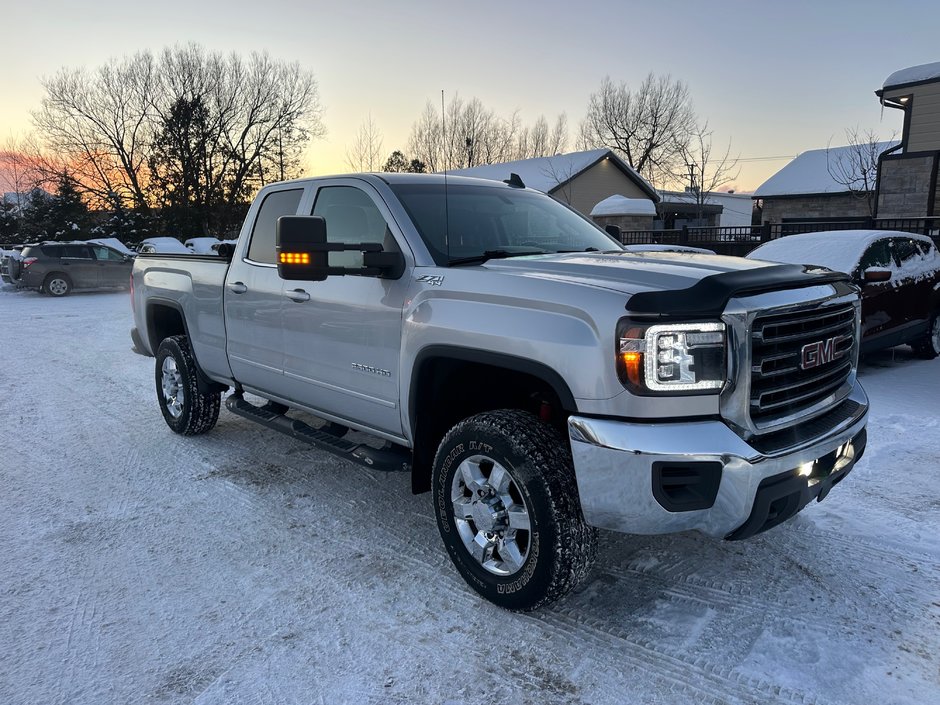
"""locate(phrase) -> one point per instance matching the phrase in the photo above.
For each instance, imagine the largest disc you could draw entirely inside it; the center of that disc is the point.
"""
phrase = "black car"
(55, 268)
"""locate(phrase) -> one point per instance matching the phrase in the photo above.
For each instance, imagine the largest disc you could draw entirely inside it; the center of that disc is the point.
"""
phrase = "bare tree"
(106, 123)
(855, 166)
(18, 170)
(365, 154)
(707, 170)
(650, 127)
(472, 135)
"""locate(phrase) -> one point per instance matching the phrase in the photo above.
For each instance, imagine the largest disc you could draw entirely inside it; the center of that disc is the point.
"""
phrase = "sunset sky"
(774, 78)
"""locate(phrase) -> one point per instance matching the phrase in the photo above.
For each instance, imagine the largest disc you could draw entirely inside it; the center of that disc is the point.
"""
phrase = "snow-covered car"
(898, 272)
(166, 245)
(114, 244)
(202, 245)
(668, 248)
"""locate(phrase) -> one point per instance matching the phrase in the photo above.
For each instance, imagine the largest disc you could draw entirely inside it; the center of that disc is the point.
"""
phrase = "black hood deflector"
(709, 296)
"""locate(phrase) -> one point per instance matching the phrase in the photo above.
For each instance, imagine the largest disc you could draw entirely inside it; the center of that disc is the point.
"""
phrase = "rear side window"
(277, 203)
(48, 250)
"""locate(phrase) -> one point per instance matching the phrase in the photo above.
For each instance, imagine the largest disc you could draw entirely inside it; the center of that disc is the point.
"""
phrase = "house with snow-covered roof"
(814, 187)
(717, 209)
(908, 184)
(580, 179)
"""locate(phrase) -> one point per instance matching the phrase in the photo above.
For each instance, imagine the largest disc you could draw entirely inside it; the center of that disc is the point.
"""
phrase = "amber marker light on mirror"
(295, 258)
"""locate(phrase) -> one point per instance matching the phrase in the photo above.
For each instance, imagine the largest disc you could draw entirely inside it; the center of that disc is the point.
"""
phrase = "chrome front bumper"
(614, 464)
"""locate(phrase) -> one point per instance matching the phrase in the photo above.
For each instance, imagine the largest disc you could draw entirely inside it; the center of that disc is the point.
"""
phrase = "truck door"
(79, 263)
(342, 345)
(253, 295)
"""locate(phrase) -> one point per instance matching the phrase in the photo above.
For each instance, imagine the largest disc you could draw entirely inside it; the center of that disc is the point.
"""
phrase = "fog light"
(806, 469)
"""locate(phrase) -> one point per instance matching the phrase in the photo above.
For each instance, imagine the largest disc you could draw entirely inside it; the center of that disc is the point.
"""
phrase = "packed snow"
(809, 173)
(913, 74)
(245, 567)
(621, 205)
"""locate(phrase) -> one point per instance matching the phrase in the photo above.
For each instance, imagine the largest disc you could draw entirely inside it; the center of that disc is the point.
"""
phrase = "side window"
(51, 250)
(77, 252)
(261, 247)
(107, 254)
(351, 217)
(905, 251)
(877, 255)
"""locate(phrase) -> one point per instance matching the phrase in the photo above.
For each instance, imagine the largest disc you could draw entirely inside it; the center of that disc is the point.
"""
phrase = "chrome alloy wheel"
(172, 383)
(491, 515)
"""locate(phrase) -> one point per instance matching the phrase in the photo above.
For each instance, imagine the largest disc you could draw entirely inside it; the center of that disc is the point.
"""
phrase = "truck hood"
(624, 272)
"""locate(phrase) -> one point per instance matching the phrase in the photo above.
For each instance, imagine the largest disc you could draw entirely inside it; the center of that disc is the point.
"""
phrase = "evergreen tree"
(9, 222)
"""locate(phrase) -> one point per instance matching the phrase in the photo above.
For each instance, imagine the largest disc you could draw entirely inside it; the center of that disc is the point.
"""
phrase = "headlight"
(677, 357)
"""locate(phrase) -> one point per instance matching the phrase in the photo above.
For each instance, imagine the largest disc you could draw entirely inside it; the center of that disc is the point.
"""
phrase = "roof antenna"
(514, 180)
(444, 152)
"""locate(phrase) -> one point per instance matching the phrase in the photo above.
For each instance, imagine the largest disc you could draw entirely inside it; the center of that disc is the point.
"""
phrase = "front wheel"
(928, 346)
(507, 508)
(186, 409)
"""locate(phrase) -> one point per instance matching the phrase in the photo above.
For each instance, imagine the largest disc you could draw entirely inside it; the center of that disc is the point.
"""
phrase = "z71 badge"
(432, 279)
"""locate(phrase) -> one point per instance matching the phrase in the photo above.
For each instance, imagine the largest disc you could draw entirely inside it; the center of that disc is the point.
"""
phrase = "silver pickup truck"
(539, 380)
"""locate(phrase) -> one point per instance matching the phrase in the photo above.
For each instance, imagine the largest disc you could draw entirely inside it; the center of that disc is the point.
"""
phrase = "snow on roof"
(113, 243)
(913, 74)
(547, 173)
(737, 208)
(839, 250)
(621, 205)
(809, 173)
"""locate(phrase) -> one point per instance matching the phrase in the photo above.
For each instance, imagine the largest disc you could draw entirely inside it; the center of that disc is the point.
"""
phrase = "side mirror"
(614, 231)
(873, 275)
(303, 252)
(301, 248)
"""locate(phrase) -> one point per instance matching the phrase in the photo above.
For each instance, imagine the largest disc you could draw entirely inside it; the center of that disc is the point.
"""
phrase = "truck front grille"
(800, 358)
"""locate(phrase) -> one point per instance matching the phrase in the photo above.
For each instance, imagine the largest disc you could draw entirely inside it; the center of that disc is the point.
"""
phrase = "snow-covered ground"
(244, 567)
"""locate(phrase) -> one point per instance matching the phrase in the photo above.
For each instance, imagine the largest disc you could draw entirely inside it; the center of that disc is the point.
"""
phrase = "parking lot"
(245, 567)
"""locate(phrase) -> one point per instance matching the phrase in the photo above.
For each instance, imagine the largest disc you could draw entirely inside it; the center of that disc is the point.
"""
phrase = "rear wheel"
(508, 511)
(928, 346)
(57, 284)
(186, 409)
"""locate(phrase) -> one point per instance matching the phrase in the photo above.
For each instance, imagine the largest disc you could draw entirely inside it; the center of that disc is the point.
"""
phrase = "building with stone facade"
(907, 174)
(580, 179)
(809, 189)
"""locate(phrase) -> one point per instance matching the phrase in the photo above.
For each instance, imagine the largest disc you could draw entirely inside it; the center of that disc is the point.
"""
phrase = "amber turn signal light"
(295, 258)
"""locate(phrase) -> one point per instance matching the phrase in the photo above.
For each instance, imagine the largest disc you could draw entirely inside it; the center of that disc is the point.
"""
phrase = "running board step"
(392, 459)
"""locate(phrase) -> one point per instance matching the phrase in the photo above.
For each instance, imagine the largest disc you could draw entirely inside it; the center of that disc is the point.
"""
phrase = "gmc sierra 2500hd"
(539, 380)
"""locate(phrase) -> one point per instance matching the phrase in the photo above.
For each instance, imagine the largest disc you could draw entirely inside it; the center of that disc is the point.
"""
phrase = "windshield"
(488, 219)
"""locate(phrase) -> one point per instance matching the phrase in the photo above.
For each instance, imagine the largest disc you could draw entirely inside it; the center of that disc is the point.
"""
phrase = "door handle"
(298, 295)
(237, 287)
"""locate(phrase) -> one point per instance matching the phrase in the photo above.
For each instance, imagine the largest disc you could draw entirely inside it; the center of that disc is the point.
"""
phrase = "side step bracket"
(391, 459)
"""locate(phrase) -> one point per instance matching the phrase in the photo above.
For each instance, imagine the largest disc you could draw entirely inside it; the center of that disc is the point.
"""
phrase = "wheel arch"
(441, 370)
(165, 318)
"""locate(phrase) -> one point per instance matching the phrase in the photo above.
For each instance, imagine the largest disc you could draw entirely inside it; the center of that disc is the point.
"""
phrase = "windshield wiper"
(586, 249)
(493, 254)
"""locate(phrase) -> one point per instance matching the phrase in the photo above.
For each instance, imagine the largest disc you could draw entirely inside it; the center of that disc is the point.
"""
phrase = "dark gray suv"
(55, 268)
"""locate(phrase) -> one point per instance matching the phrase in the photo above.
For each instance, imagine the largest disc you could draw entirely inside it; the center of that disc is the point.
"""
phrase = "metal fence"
(740, 240)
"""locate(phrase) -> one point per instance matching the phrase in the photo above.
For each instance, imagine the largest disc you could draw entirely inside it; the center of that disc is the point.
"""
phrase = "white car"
(167, 245)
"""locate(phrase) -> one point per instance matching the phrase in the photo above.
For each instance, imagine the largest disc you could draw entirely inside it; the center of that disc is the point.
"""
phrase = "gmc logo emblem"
(816, 354)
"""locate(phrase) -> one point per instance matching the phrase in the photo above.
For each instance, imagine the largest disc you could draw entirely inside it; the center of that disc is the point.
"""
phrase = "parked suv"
(10, 263)
(55, 268)
(899, 274)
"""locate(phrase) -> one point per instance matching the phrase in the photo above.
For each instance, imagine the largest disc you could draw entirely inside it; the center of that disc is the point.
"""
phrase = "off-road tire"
(561, 546)
(198, 411)
(57, 284)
